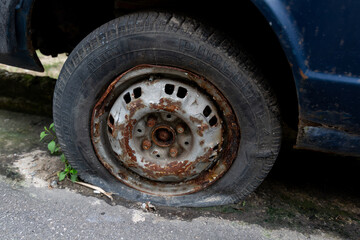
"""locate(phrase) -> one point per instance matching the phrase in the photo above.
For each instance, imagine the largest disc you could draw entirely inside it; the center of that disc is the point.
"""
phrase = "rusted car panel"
(322, 138)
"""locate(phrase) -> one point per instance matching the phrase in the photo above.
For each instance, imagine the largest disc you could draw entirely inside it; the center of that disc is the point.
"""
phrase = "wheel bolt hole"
(139, 130)
(186, 143)
(168, 116)
(157, 155)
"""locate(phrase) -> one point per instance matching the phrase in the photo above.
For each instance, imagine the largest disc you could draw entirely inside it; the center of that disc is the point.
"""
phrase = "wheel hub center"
(163, 136)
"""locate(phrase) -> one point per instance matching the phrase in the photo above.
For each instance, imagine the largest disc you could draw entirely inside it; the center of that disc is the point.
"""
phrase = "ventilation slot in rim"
(137, 92)
(169, 89)
(181, 93)
(215, 147)
(127, 98)
(111, 119)
(213, 121)
(207, 111)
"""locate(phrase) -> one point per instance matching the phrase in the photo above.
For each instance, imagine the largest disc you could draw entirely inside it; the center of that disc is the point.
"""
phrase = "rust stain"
(122, 175)
(97, 132)
(151, 122)
(167, 105)
(302, 74)
(126, 131)
(108, 166)
(196, 120)
(174, 168)
(202, 128)
(134, 106)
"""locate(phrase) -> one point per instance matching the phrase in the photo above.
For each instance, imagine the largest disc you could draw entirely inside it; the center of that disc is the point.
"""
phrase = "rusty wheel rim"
(164, 131)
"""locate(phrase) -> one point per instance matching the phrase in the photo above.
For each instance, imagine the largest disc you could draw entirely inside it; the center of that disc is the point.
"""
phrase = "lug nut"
(151, 122)
(180, 128)
(146, 144)
(173, 152)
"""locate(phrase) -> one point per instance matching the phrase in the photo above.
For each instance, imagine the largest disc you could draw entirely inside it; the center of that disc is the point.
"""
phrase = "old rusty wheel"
(160, 130)
(158, 107)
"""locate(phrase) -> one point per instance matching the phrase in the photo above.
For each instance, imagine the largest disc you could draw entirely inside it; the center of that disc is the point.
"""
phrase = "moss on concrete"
(26, 93)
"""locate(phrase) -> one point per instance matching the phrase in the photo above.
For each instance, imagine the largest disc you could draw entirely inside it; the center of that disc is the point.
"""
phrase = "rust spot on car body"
(302, 74)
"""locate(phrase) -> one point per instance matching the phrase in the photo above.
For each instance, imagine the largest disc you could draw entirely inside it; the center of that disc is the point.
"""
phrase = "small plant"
(55, 149)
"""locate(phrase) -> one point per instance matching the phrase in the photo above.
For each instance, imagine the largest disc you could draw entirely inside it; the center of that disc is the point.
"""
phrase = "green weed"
(54, 148)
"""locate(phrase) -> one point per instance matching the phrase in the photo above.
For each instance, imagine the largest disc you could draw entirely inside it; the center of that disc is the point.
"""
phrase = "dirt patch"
(38, 168)
(307, 192)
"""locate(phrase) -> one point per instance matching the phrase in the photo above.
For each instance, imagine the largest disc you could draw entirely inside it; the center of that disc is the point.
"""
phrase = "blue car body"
(320, 40)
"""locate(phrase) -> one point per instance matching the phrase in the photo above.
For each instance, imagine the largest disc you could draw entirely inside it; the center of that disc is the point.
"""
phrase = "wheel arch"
(269, 44)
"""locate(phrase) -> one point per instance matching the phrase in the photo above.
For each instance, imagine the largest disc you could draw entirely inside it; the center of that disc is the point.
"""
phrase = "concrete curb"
(26, 93)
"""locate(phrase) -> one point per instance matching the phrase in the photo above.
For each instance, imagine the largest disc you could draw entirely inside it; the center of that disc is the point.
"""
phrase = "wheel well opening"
(57, 26)
(253, 33)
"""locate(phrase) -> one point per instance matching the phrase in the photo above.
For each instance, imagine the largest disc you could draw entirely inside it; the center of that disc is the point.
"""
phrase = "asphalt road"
(36, 213)
(30, 209)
